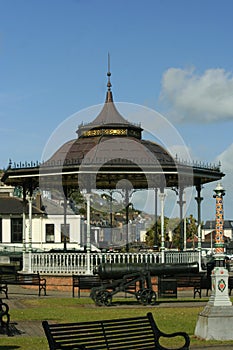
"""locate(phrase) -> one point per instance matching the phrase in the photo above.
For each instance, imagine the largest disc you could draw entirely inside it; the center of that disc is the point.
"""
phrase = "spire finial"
(109, 74)
(109, 85)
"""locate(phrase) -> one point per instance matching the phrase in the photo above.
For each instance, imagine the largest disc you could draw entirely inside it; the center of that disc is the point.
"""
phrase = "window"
(49, 233)
(65, 233)
(16, 230)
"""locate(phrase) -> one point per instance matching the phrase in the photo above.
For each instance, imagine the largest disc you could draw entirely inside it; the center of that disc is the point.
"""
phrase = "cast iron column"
(162, 198)
(156, 218)
(181, 203)
(199, 199)
(88, 242)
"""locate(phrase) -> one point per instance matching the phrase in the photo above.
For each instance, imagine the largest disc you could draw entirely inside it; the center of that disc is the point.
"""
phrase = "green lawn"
(169, 319)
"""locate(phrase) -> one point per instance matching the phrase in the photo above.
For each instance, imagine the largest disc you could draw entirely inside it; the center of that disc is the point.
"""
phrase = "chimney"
(38, 201)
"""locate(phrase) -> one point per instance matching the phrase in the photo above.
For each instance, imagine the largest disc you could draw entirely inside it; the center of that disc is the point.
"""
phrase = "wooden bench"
(190, 280)
(31, 279)
(85, 282)
(196, 281)
(117, 334)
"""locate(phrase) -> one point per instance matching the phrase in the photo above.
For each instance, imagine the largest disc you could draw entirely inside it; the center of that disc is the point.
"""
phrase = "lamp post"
(216, 320)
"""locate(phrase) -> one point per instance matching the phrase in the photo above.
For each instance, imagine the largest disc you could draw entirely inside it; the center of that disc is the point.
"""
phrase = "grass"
(169, 319)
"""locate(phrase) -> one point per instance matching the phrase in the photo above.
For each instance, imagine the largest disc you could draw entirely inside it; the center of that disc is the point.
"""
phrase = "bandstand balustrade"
(77, 263)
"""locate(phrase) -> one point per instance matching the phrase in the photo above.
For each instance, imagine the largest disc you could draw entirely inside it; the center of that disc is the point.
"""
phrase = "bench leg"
(42, 287)
(4, 289)
(198, 291)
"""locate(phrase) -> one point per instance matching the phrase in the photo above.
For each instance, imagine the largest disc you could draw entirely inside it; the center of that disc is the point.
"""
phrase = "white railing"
(179, 258)
(76, 263)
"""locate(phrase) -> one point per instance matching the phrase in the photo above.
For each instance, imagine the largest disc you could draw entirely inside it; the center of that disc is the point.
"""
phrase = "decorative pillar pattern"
(219, 235)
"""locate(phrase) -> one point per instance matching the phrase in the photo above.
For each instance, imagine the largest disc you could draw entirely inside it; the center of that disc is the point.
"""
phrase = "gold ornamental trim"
(99, 132)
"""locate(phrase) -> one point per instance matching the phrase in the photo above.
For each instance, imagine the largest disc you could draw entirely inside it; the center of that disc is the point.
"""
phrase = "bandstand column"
(199, 200)
(181, 203)
(127, 219)
(88, 239)
(25, 256)
(216, 320)
(27, 230)
(162, 198)
(65, 224)
(30, 233)
(156, 217)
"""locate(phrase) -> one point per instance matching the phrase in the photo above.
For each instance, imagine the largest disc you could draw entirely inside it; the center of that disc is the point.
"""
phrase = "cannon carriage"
(137, 284)
(135, 279)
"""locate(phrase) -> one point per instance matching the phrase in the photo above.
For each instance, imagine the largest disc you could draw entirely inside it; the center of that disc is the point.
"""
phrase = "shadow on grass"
(124, 302)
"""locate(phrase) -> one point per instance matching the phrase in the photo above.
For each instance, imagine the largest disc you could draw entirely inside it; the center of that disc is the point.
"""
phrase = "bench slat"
(139, 333)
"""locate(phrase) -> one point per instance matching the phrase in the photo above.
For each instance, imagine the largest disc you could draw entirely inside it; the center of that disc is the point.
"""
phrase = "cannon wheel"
(103, 298)
(138, 294)
(147, 297)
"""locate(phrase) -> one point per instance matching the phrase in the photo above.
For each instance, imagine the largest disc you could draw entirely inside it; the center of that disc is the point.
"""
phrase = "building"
(208, 229)
(47, 224)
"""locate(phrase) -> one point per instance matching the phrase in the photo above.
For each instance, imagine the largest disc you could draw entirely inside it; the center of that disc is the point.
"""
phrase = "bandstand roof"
(106, 151)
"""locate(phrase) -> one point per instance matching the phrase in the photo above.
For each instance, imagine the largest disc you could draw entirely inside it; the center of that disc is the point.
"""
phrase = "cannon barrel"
(117, 271)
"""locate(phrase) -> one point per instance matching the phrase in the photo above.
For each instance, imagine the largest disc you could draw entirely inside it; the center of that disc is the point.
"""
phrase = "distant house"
(208, 230)
(47, 231)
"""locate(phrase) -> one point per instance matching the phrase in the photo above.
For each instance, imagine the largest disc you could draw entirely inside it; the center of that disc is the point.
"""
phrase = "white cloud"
(226, 158)
(192, 97)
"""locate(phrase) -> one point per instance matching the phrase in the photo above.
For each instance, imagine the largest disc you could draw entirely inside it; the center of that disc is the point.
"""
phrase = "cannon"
(134, 279)
(115, 271)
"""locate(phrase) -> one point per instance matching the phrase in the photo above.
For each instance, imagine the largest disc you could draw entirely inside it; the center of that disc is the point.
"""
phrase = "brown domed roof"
(106, 151)
(110, 139)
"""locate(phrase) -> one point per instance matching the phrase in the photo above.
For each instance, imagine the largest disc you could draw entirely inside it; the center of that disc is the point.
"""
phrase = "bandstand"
(109, 153)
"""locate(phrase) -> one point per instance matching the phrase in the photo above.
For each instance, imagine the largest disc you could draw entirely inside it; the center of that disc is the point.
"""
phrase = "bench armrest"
(172, 335)
(43, 280)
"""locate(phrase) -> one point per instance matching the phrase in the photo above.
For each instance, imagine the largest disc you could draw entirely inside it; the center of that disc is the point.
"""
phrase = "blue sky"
(174, 56)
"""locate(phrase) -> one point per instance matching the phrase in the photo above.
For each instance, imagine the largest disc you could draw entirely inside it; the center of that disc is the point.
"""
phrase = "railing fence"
(77, 263)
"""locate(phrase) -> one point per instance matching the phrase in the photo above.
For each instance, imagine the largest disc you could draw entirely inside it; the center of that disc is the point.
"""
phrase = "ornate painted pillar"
(216, 320)
(219, 236)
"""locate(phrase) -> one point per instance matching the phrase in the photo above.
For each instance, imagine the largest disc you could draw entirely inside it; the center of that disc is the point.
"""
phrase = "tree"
(191, 231)
(150, 234)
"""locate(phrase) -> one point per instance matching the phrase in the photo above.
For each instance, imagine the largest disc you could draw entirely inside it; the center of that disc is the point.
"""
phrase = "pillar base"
(216, 320)
(215, 323)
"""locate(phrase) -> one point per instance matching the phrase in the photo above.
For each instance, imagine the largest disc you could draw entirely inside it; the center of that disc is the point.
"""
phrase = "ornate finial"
(109, 74)
(109, 92)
